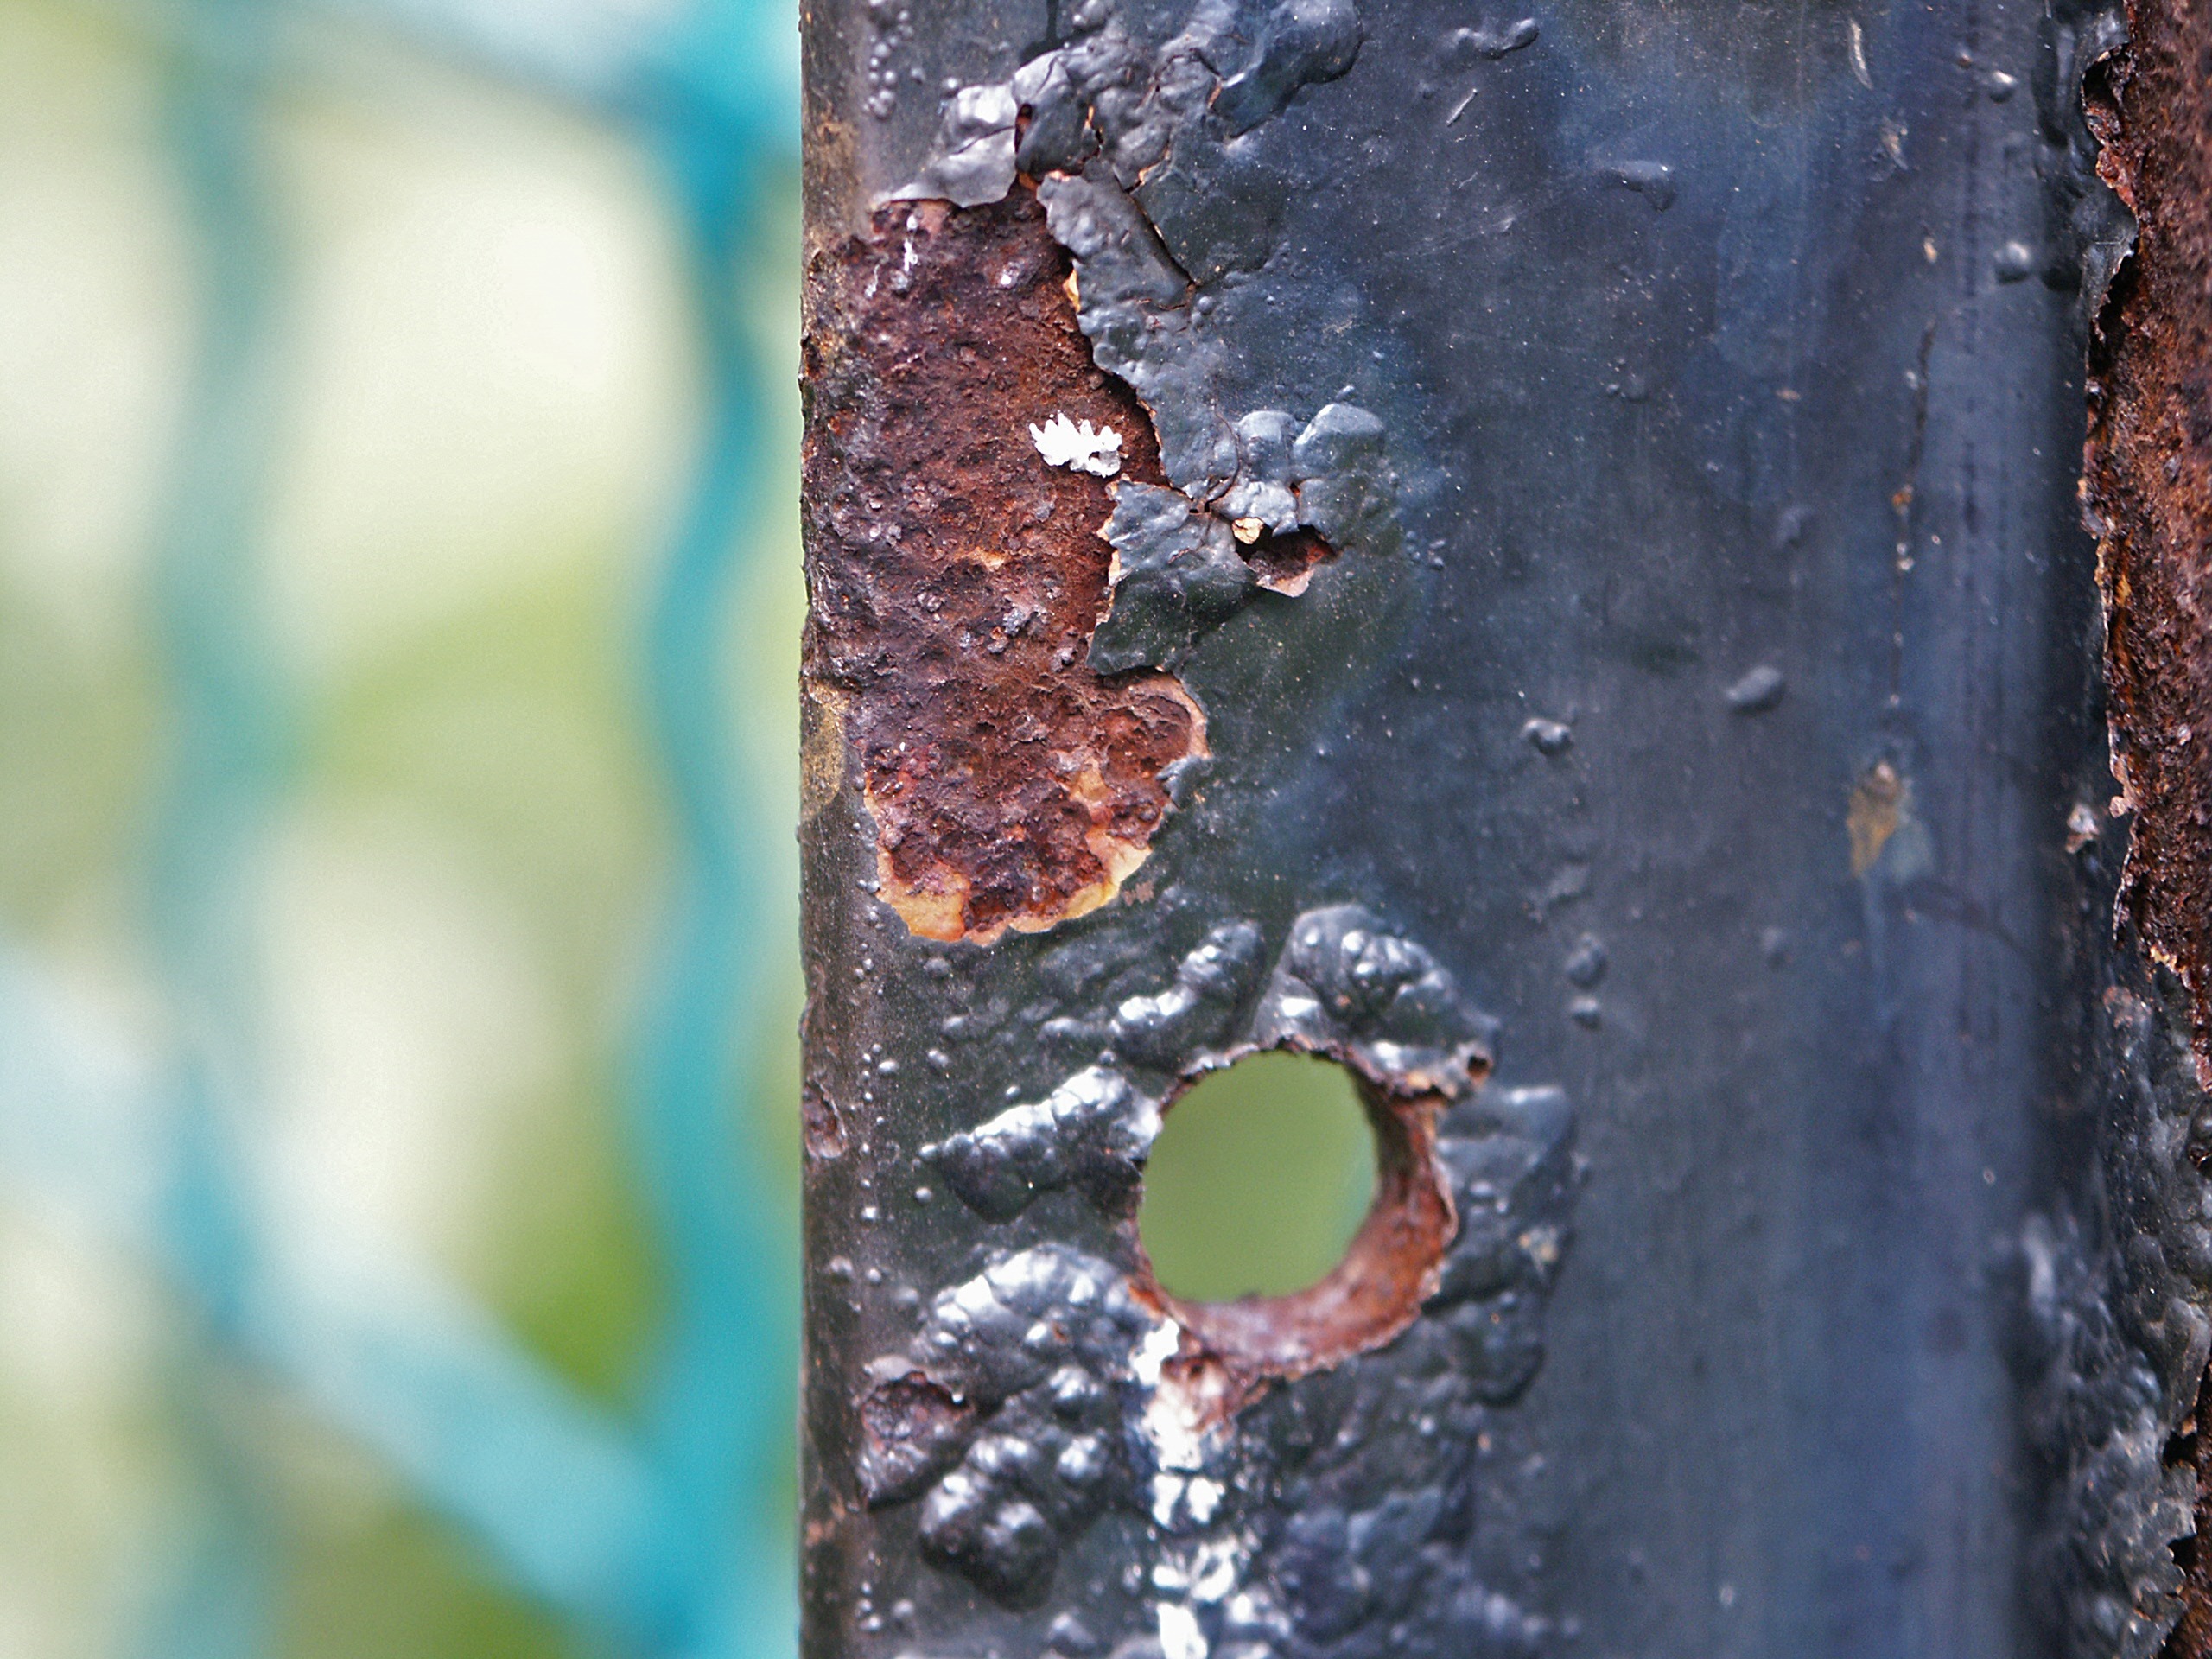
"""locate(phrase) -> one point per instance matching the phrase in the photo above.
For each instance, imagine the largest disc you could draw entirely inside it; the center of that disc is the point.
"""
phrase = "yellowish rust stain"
(1879, 803)
(934, 906)
(822, 746)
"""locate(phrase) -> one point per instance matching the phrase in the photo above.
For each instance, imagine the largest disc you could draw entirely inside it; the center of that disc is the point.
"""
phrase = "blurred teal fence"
(549, 1407)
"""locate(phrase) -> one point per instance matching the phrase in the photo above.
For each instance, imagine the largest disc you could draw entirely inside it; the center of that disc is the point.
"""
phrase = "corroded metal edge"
(2119, 1292)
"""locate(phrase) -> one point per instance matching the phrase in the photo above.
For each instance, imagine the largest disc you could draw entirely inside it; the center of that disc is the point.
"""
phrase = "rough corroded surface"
(1059, 1389)
(2115, 1285)
(2148, 488)
(2150, 482)
(957, 579)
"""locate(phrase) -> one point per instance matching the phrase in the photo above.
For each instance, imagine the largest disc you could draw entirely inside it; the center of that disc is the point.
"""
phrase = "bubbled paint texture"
(1142, 181)
(1053, 1387)
(1092, 1132)
(1390, 1514)
(1034, 1357)
(2115, 1341)
(1346, 985)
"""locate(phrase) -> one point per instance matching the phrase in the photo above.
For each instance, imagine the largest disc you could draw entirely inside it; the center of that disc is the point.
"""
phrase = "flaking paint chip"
(1077, 446)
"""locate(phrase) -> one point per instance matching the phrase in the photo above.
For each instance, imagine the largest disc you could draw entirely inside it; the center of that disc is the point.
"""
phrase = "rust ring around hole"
(1391, 1267)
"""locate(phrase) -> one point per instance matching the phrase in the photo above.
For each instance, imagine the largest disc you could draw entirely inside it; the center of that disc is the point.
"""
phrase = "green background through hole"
(1260, 1179)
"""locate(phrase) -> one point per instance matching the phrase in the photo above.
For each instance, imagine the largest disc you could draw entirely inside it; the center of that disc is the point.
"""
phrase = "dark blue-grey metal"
(1674, 779)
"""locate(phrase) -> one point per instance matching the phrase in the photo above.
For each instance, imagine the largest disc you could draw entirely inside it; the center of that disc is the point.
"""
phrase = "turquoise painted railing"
(652, 1533)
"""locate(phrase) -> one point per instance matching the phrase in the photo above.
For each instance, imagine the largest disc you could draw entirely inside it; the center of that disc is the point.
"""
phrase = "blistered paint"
(1128, 151)
(1057, 1387)
(1091, 1132)
(1033, 1358)
(1347, 984)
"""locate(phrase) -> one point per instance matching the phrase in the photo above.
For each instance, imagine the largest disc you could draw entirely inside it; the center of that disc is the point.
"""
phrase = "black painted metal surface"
(1694, 711)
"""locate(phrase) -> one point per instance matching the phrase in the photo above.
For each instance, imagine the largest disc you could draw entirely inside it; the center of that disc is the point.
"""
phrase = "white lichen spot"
(1077, 446)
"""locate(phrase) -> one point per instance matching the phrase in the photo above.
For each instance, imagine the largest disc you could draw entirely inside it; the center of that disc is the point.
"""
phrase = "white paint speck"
(1203, 1497)
(1156, 1350)
(1166, 1493)
(1077, 446)
(1170, 1423)
(1180, 1635)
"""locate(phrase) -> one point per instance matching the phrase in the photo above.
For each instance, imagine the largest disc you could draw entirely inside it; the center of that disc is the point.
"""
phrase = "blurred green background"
(1261, 1174)
(485, 392)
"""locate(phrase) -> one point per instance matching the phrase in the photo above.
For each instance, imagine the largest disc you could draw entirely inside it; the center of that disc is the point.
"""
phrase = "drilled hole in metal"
(1375, 1288)
(1259, 1181)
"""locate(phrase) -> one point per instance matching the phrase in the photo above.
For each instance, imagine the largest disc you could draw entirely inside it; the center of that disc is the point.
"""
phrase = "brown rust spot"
(2148, 482)
(912, 1430)
(821, 1124)
(956, 578)
(1286, 563)
(1391, 1267)
(1879, 803)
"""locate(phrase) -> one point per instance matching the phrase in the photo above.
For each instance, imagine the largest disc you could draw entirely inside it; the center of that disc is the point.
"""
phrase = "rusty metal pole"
(1535, 554)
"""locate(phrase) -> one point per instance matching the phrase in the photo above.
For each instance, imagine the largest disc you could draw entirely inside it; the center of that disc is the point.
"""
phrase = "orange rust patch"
(956, 578)
(1286, 563)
